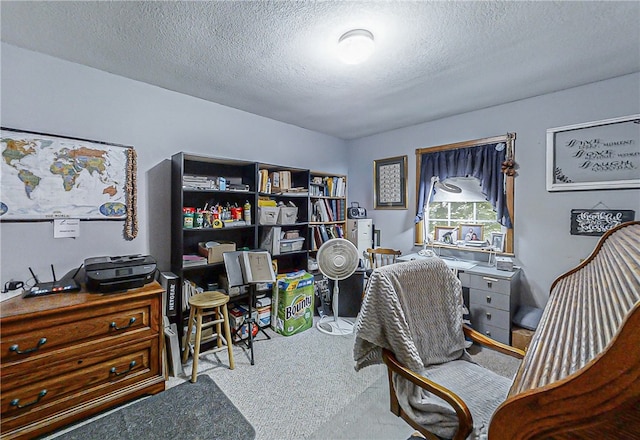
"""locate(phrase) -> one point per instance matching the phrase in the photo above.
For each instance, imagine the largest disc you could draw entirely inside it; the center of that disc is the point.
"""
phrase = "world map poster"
(45, 177)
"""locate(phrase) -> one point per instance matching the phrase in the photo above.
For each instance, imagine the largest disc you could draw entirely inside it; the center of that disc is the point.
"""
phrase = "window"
(470, 184)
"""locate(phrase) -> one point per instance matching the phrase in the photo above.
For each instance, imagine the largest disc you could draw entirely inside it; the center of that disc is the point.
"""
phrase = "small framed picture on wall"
(390, 183)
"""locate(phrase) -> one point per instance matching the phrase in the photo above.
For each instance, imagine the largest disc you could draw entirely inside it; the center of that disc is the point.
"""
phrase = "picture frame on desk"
(471, 232)
(446, 234)
(497, 241)
(390, 183)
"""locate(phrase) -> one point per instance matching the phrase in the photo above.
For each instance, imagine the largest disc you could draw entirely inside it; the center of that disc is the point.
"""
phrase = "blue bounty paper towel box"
(292, 303)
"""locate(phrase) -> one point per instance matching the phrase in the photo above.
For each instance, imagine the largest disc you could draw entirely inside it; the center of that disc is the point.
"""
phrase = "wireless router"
(66, 284)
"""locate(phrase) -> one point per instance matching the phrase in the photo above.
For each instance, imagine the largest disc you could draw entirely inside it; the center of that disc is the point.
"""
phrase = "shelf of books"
(213, 204)
(222, 208)
(283, 215)
(327, 207)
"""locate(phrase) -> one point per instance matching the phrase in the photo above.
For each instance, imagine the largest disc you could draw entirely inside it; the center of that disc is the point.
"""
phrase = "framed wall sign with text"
(594, 155)
(596, 222)
(390, 183)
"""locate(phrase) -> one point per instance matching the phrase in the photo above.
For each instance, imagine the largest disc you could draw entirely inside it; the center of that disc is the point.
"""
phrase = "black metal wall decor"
(596, 222)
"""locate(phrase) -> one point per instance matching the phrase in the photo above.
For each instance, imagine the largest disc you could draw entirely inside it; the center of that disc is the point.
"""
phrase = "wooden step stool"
(207, 304)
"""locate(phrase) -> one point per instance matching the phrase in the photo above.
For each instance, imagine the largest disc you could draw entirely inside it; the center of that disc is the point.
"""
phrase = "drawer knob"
(488, 299)
(131, 365)
(113, 325)
(488, 315)
(16, 402)
(488, 333)
(16, 348)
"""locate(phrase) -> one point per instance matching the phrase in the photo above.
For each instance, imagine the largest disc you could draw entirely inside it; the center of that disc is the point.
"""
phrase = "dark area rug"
(188, 411)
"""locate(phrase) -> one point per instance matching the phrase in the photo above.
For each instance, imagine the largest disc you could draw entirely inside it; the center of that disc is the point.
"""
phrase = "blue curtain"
(483, 162)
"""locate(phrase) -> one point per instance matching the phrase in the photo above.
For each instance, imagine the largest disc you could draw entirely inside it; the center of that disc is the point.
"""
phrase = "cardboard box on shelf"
(264, 316)
(214, 253)
(240, 329)
(521, 337)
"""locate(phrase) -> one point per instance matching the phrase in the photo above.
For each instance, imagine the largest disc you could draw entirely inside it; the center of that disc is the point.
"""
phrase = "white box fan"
(337, 260)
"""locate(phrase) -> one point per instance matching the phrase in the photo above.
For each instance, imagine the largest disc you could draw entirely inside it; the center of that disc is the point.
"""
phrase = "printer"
(110, 274)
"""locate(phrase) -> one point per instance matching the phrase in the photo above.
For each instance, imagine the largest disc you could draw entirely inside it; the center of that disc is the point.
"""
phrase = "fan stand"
(337, 326)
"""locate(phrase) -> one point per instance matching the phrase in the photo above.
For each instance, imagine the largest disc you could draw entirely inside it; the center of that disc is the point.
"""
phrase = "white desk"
(490, 294)
(453, 264)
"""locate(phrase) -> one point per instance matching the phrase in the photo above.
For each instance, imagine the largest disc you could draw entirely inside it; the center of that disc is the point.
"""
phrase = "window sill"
(481, 250)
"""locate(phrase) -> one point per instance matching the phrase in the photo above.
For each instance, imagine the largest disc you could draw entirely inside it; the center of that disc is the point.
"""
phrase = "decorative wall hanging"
(45, 177)
(390, 180)
(594, 155)
(596, 222)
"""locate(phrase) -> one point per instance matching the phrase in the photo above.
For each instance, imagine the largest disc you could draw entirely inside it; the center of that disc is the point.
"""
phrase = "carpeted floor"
(297, 383)
(305, 387)
(302, 387)
(186, 412)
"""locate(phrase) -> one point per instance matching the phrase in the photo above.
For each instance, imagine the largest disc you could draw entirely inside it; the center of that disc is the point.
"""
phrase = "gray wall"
(543, 245)
(41, 93)
(45, 94)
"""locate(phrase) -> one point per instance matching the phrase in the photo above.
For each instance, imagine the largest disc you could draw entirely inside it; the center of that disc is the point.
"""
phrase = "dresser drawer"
(488, 283)
(487, 315)
(107, 371)
(489, 299)
(54, 333)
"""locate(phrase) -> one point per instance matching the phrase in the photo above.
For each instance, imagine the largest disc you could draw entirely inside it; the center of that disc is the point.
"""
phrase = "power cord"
(12, 285)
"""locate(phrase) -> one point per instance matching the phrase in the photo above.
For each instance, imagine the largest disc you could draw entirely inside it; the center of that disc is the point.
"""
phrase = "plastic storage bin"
(292, 245)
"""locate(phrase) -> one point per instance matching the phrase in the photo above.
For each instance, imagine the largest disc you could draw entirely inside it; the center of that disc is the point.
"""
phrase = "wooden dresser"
(67, 356)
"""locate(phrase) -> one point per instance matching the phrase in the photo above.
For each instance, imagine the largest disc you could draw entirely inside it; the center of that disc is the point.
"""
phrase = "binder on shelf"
(189, 288)
(323, 233)
(275, 181)
(170, 282)
(263, 177)
(328, 210)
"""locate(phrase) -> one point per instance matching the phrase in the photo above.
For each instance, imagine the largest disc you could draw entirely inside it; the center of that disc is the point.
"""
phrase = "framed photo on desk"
(497, 241)
(390, 183)
(471, 232)
(446, 234)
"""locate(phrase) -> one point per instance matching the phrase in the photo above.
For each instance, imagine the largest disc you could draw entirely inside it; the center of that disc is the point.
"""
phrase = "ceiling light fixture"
(355, 46)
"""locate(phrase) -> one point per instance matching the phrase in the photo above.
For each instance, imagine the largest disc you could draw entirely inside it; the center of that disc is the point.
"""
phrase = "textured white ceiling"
(275, 58)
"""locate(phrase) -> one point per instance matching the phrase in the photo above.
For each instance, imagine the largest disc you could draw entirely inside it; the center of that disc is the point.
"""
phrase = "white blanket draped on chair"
(415, 309)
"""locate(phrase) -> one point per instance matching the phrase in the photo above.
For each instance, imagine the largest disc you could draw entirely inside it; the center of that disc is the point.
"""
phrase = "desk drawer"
(490, 316)
(489, 299)
(106, 371)
(489, 283)
(497, 333)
